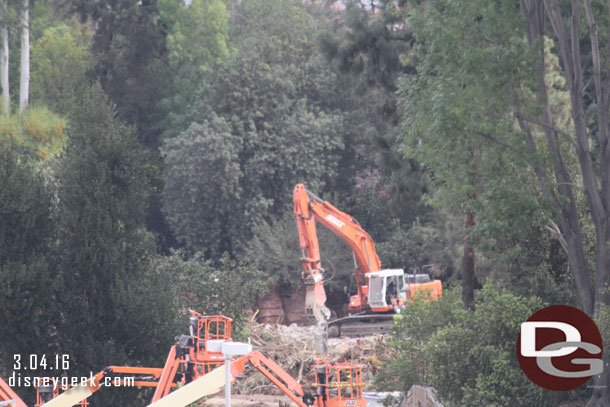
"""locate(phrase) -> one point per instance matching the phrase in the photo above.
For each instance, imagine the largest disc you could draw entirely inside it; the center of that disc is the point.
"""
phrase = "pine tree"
(113, 309)
(26, 304)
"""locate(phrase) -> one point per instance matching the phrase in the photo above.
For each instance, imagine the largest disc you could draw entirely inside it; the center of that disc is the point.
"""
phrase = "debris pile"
(292, 347)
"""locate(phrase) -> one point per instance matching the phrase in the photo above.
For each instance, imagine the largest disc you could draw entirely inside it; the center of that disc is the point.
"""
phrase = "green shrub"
(468, 357)
(221, 288)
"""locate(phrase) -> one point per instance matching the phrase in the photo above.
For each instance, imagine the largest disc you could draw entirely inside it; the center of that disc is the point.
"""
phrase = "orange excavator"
(380, 293)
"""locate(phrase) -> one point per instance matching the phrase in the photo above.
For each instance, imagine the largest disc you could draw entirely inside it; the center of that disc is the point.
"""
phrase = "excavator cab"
(387, 290)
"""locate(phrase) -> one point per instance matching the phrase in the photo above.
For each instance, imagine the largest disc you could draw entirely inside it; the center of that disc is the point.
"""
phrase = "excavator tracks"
(356, 326)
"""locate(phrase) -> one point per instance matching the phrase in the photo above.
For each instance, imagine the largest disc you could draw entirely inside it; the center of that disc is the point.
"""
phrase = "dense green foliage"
(59, 64)
(104, 252)
(153, 173)
(212, 289)
(128, 50)
(369, 46)
(26, 303)
(468, 357)
(272, 113)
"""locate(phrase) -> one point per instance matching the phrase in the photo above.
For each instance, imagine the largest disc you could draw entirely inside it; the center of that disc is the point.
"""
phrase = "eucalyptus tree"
(484, 84)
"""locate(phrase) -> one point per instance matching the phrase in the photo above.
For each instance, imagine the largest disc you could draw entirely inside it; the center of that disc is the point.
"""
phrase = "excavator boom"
(308, 209)
(379, 292)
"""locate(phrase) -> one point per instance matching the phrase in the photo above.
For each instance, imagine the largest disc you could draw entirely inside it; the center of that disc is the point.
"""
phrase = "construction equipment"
(195, 368)
(7, 394)
(190, 358)
(380, 293)
(195, 355)
(200, 355)
(336, 385)
(118, 376)
(203, 386)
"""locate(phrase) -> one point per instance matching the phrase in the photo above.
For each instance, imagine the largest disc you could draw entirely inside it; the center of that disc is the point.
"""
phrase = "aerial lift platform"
(195, 369)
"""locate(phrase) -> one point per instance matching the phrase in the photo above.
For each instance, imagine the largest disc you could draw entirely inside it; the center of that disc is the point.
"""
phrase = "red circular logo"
(560, 348)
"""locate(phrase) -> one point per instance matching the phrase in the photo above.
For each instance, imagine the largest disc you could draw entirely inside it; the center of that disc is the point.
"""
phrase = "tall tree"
(59, 62)
(4, 58)
(370, 46)
(24, 82)
(114, 307)
(483, 80)
(367, 43)
(283, 109)
(130, 59)
(26, 305)
(197, 42)
(590, 139)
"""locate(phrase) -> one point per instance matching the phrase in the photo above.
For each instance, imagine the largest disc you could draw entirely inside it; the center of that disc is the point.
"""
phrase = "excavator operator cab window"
(385, 287)
(402, 290)
(377, 291)
(392, 288)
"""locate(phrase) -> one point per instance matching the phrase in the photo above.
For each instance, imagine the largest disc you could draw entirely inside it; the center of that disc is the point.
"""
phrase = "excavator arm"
(308, 209)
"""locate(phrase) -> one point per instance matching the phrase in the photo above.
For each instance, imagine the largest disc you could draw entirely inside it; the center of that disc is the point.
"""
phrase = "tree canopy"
(152, 172)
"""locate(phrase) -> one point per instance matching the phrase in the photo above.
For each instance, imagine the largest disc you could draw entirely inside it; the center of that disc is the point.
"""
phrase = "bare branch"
(556, 233)
(576, 57)
(495, 140)
(555, 129)
(541, 175)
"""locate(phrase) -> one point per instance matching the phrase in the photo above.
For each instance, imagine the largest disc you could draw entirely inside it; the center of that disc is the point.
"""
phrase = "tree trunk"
(601, 384)
(596, 183)
(24, 83)
(4, 63)
(468, 261)
(468, 266)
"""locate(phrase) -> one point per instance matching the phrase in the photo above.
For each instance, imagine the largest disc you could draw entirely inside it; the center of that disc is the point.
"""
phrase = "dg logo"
(560, 348)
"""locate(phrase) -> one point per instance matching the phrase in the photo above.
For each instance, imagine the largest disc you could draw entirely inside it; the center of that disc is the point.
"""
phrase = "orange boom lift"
(190, 360)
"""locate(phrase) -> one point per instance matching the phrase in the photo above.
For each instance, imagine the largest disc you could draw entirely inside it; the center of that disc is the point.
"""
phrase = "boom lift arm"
(7, 394)
(276, 375)
(142, 377)
(337, 385)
